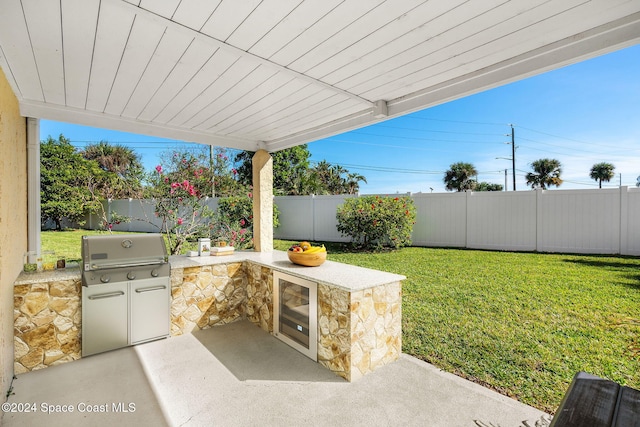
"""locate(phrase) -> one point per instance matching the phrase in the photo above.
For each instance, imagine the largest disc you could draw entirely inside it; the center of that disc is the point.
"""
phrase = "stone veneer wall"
(334, 330)
(376, 328)
(47, 328)
(260, 296)
(205, 296)
(357, 331)
(219, 294)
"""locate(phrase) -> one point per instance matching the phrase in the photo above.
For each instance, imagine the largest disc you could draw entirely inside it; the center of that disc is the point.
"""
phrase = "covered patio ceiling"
(271, 74)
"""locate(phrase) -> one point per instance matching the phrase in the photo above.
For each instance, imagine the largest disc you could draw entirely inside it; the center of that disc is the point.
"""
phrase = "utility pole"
(213, 172)
(513, 155)
(505, 180)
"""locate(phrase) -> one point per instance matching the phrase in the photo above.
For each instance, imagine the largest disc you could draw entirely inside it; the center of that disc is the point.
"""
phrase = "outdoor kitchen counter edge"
(345, 276)
(72, 273)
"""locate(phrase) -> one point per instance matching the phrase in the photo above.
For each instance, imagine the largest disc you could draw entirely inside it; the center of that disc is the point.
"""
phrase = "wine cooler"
(295, 307)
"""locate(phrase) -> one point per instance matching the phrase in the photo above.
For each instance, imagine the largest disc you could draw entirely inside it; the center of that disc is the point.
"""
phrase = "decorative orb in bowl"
(308, 260)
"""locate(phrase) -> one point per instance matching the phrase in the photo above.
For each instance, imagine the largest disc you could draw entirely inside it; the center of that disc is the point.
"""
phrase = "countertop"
(345, 276)
(70, 273)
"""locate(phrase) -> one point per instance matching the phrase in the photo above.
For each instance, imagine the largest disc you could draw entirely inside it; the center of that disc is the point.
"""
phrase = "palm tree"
(336, 182)
(353, 182)
(458, 177)
(602, 172)
(124, 165)
(546, 172)
(114, 158)
(330, 177)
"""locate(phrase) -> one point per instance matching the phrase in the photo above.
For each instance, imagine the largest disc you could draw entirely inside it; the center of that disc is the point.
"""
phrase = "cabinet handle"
(107, 295)
(152, 288)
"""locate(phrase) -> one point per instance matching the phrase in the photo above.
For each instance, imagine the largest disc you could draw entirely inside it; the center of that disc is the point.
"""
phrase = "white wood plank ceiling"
(271, 74)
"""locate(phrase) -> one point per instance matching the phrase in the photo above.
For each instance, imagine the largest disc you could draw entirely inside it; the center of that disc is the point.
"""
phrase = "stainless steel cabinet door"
(105, 317)
(149, 309)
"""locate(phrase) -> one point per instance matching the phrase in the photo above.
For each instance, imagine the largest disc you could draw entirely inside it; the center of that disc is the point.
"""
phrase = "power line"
(436, 131)
(403, 147)
(421, 139)
(568, 139)
(134, 142)
(384, 169)
(574, 148)
(160, 145)
(455, 121)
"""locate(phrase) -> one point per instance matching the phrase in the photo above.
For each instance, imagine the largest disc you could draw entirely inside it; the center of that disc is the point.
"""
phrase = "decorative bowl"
(308, 260)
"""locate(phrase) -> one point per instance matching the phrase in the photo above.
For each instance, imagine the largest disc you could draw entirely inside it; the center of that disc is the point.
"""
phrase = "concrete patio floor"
(238, 375)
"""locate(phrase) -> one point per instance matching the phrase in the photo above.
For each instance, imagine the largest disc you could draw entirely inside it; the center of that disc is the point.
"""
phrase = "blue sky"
(581, 114)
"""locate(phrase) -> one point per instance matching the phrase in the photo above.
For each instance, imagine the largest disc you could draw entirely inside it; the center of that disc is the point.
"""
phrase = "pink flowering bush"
(375, 222)
(179, 193)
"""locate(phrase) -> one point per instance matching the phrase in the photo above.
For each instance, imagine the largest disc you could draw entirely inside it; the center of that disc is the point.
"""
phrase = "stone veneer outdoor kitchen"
(359, 309)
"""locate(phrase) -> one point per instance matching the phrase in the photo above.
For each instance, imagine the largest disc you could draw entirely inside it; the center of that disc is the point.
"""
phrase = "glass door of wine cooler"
(295, 312)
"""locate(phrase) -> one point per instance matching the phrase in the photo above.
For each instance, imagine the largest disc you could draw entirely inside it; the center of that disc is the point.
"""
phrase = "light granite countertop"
(71, 273)
(345, 276)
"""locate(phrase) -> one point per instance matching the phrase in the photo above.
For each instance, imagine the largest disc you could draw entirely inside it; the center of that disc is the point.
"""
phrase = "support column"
(262, 165)
(33, 188)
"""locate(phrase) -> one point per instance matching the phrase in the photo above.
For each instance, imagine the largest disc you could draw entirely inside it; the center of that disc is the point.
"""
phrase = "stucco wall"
(13, 218)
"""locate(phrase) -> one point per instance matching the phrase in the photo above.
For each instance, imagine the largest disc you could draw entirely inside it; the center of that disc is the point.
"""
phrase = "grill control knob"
(105, 279)
(154, 272)
(131, 275)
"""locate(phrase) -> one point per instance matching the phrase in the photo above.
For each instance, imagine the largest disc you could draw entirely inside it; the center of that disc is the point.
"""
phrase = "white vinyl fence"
(141, 213)
(600, 221)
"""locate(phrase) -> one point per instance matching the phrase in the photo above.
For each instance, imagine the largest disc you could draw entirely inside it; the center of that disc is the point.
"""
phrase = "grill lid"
(122, 250)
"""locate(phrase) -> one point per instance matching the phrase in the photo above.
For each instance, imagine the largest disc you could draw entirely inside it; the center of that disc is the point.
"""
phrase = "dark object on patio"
(595, 402)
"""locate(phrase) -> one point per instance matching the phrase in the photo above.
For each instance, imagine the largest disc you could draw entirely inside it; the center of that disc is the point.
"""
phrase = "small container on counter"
(204, 246)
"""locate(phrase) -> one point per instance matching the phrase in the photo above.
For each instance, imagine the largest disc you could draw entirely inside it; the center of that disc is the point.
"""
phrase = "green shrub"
(377, 222)
(234, 221)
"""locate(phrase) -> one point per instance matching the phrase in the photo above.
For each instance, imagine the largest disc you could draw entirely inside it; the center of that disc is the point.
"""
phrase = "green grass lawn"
(66, 243)
(519, 323)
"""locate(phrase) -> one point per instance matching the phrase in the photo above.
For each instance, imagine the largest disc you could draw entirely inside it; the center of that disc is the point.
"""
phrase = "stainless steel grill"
(125, 291)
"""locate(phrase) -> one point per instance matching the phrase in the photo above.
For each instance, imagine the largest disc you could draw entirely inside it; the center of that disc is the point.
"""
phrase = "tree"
(118, 159)
(334, 179)
(65, 181)
(328, 177)
(290, 169)
(487, 186)
(179, 189)
(459, 177)
(352, 184)
(225, 176)
(546, 172)
(292, 174)
(124, 170)
(602, 172)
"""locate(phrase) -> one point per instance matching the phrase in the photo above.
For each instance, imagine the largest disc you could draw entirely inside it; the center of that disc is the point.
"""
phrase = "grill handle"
(107, 295)
(149, 289)
(96, 267)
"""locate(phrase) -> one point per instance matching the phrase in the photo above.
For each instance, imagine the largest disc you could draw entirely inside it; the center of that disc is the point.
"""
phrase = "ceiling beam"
(123, 124)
